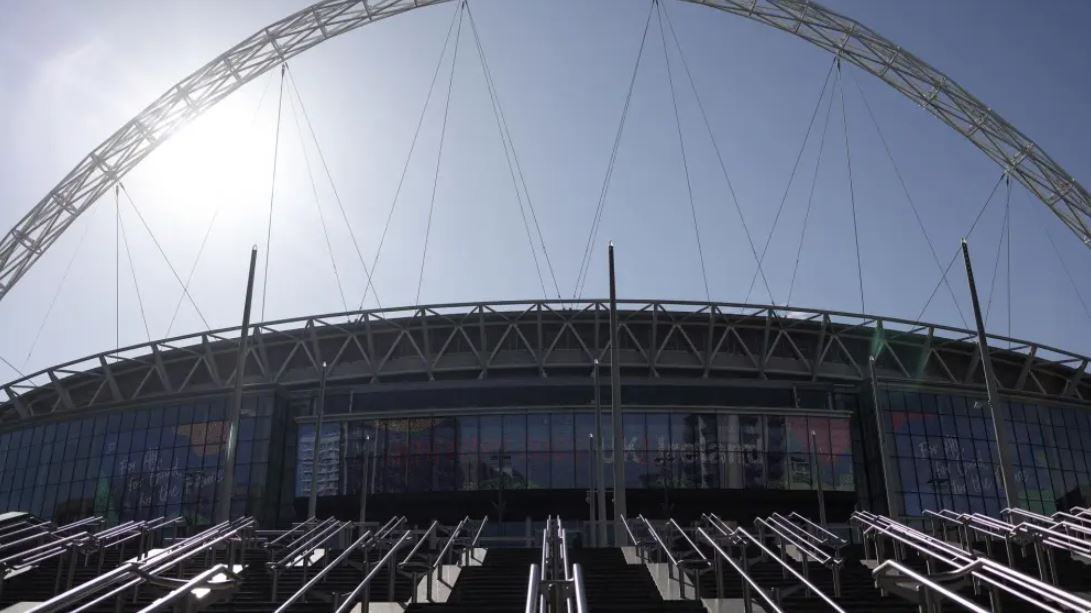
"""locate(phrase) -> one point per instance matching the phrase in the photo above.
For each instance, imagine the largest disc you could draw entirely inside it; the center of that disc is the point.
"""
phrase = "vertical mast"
(615, 407)
(1000, 433)
(320, 414)
(227, 483)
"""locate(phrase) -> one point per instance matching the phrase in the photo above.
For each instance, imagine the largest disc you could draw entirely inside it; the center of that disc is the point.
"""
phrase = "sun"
(220, 159)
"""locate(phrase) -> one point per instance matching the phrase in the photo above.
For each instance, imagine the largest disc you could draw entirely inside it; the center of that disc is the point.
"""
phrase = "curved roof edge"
(659, 338)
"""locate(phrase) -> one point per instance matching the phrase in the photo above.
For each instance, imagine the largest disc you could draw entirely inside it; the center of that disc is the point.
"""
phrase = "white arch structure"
(269, 47)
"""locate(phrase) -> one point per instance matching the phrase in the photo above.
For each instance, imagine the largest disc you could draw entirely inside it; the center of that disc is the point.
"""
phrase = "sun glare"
(218, 160)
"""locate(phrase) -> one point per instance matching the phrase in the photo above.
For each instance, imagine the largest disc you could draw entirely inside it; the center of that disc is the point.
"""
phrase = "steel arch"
(848, 39)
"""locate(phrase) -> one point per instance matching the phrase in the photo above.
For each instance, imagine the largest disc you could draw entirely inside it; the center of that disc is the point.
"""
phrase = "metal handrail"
(136, 572)
(533, 601)
(987, 571)
(307, 542)
(48, 530)
(420, 542)
(658, 541)
(304, 550)
(579, 594)
(450, 542)
(477, 535)
(815, 526)
(1048, 521)
(787, 535)
(804, 581)
(365, 540)
(303, 525)
(748, 581)
(360, 590)
(809, 550)
(204, 580)
(693, 560)
(926, 586)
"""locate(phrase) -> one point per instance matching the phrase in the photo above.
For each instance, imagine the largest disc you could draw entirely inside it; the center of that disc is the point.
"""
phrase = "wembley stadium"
(552, 454)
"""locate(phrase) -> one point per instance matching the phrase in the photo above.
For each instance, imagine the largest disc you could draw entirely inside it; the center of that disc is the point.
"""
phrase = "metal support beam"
(999, 431)
(227, 483)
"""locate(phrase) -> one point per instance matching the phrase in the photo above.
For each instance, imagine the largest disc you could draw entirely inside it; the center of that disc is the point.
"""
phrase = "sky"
(72, 72)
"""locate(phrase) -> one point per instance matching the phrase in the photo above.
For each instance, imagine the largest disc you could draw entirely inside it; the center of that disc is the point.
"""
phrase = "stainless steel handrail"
(693, 560)
(809, 550)
(818, 527)
(304, 525)
(306, 544)
(360, 593)
(804, 581)
(788, 536)
(134, 573)
(987, 571)
(363, 542)
(203, 580)
(534, 581)
(450, 542)
(579, 594)
(748, 581)
(420, 542)
(925, 587)
(663, 549)
(480, 528)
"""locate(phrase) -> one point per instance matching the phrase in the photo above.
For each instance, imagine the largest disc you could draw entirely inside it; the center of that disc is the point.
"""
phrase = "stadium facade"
(487, 409)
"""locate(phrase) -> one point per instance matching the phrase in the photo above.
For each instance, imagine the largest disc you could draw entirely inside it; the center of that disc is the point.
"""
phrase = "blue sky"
(72, 72)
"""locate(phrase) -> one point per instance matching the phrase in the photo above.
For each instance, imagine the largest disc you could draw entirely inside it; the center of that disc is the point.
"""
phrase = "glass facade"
(539, 450)
(138, 463)
(945, 454)
(1052, 456)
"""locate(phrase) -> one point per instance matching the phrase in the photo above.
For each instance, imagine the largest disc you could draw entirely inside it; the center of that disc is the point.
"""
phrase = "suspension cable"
(958, 250)
(56, 294)
(852, 197)
(490, 81)
(12, 366)
(136, 284)
(1067, 272)
(500, 126)
(716, 148)
(211, 223)
(788, 185)
(908, 197)
(1004, 229)
(333, 187)
(272, 196)
(814, 184)
(192, 271)
(318, 205)
(439, 155)
(155, 241)
(585, 261)
(409, 156)
(682, 151)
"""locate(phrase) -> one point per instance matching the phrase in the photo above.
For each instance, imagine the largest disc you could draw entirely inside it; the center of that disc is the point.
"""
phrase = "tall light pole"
(1000, 433)
(227, 484)
(615, 406)
(320, 413)
(365, 484)
(600, 473)
(818, 479)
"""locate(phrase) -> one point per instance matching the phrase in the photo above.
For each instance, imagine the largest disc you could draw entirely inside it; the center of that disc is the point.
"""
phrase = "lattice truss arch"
(549, 340)
(106, 164)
